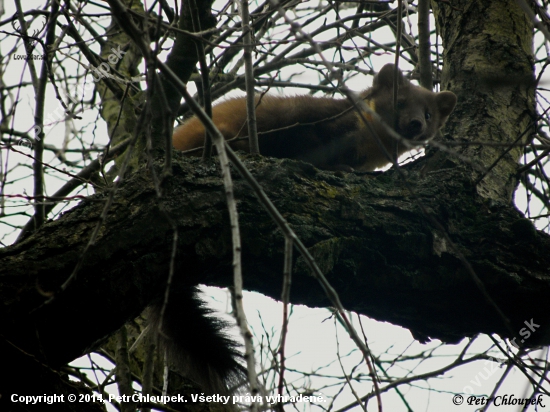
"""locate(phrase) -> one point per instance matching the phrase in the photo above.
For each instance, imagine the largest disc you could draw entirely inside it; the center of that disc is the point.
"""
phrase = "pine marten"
(328, 132)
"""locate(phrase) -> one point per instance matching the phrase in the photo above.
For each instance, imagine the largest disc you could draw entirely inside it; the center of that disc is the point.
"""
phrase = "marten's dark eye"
(427, 116)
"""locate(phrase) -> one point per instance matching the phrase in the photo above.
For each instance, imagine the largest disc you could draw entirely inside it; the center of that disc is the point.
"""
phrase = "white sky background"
(313, 336)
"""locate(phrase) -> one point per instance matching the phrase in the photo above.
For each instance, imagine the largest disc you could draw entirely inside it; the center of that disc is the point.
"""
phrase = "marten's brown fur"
(328, 132)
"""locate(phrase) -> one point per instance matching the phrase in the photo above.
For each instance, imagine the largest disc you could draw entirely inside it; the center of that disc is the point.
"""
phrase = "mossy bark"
(373, 242)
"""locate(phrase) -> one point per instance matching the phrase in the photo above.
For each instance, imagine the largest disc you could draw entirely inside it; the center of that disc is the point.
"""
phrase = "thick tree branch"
(369, 237)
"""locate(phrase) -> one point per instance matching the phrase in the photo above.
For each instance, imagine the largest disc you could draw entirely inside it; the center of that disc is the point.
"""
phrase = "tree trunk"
(488, 63)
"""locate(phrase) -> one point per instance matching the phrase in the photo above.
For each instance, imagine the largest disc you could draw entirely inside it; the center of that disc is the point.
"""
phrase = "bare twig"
(249, 77)
(424, 46)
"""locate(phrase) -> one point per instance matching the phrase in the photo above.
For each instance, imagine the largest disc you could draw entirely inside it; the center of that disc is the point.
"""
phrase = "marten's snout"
(416, 126)
(413, 128)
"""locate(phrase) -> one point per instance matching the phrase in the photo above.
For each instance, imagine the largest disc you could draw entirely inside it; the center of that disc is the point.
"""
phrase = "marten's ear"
(384, 78)
(446, 102)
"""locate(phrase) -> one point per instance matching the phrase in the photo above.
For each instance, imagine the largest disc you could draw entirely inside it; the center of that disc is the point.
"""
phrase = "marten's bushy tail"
(195, 343)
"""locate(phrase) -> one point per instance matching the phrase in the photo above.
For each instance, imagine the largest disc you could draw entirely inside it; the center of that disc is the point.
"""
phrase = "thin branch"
(222, 148)
(205, 78)
(249, 78)
(424, 45)
(285, 298)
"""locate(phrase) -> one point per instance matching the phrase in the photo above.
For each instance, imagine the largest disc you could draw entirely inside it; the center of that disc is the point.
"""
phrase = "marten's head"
(420, 112)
